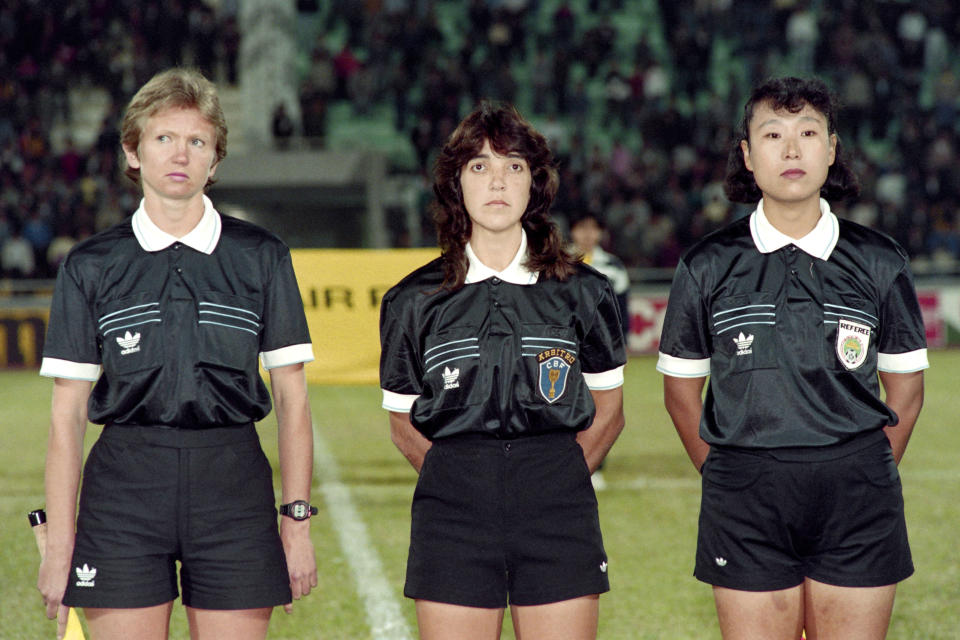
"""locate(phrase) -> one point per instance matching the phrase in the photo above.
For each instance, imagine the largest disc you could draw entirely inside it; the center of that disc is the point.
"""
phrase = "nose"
(791, 148)
(497, 180)
(180, 152)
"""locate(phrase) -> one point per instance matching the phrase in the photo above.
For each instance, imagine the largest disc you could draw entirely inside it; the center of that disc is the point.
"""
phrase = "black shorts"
(505, 521)
(152, 496)
(767, 523)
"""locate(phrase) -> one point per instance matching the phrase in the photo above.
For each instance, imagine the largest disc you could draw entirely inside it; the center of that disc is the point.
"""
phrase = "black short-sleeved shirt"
(176, 325)
(792, 332)
(509, 354)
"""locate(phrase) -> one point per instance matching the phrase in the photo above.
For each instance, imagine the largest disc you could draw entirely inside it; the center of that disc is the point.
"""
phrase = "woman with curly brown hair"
(502, 367)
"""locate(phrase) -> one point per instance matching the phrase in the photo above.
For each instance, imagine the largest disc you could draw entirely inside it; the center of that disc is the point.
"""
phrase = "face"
(496, 190)
(586, 235)
(176, 155)
(789, 153)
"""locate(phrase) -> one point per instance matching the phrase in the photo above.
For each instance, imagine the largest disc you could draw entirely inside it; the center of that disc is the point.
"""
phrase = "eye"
(163, 138)
(809, 133)
(772, 134)
(516, 167)
(198, 142)
(476, 167)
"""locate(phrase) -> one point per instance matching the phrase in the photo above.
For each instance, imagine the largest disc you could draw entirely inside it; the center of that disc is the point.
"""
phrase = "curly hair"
(506, 130)
(174, 88)
(789, 94)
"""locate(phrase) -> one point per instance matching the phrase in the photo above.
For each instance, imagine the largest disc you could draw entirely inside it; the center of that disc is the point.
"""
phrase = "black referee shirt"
(176, 325)
(509, 354)
(792, 332)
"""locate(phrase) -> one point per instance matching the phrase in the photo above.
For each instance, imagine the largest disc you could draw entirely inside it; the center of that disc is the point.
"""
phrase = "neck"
(496, 250)
(792, 219)
(176, 217)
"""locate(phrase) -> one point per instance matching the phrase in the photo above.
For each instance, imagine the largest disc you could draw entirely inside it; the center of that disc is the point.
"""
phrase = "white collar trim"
(203, 237)
(515, 273)
(819, 243)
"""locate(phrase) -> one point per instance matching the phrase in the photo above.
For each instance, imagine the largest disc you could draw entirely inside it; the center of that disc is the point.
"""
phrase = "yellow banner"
(341, 291)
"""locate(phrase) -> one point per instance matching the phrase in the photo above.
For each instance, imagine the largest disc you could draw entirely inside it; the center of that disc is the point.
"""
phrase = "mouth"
(178, 176)
(497, 203)
(793, 174)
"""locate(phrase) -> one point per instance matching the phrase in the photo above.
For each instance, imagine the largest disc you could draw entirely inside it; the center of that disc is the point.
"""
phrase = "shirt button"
(494, 280)
(496, 305)
(176, 246)
(793, 272)
(179, 270)
(507, 447)
(793, 248)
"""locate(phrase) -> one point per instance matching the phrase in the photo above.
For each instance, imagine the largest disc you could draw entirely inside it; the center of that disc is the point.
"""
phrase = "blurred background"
(336, 108)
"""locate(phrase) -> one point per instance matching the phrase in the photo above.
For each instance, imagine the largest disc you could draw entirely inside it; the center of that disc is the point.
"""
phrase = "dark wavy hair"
(790, 94)
(507, 132)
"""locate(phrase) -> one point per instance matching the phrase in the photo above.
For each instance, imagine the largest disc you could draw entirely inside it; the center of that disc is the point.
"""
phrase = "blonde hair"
(174, 88)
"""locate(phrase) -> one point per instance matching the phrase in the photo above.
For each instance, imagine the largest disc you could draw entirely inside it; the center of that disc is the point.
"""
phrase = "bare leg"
(229, 624)
(850, 613)
(144, 623)
(760, 615)
(441, 621)
(574, 619)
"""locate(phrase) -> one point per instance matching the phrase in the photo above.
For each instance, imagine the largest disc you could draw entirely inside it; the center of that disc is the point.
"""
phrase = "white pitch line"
(384, 616)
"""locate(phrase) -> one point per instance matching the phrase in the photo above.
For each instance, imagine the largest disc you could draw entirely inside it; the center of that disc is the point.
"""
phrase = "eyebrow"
(512, 154)
(801, 119)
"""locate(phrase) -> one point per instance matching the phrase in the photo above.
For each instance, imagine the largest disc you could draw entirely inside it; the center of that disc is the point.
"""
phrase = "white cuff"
(294, 354)
(399, 402)
(683, 367)
(604, 380)
(56, 368)
(903, 362)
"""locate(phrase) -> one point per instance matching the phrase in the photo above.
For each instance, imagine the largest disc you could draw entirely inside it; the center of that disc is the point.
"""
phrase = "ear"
(833, 149)
(745, 149)
(133, 160)
(213, 169)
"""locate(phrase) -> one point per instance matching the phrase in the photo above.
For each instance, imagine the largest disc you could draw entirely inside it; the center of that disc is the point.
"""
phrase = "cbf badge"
(554, 367)
(852, 341)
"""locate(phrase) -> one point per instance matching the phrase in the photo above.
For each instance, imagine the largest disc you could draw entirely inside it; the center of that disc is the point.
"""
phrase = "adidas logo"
(129, 343)
(86, 575)
(451, 378)
(721, 562)
(744, 344)
(603, 566)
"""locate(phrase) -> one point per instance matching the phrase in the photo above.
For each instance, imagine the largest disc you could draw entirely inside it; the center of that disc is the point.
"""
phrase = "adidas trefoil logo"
(721, 562)
(129, 343)
(451, 379)
(744, 344)
(86, 575)
(603, 567)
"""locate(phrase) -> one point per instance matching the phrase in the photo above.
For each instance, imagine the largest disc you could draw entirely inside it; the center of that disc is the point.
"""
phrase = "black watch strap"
(298, 510)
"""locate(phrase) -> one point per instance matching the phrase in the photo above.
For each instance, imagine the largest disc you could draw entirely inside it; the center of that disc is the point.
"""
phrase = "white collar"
(203, 237)
(819, 243)
(515, 273)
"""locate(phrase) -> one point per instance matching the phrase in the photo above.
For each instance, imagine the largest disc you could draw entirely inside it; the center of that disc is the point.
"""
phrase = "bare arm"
(607, 424)
(684, 402)
(295, 442)
(904, 394)
(68, 424)
(411, 443)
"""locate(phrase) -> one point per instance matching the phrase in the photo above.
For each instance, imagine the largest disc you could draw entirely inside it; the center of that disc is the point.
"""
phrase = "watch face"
(299, 510)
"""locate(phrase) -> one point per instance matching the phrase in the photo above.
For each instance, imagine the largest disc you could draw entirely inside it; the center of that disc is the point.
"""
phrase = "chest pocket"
(131, 334)
(229, 328)
(849, 335)
(551, 363)
(744, 332)
(452, 374)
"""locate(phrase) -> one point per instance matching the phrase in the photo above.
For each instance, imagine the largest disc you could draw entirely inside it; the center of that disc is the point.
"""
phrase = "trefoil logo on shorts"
(451, 378)
(129, 343)
(603, 566)
(86, 575)
(721, 562)
(744, 344)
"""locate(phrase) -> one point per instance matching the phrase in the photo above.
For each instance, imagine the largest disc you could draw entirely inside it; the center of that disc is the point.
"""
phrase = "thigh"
(232, 555)
(238, 624)
(441, 621)
(144, 623)
(851, 613)
(574, 619)
(760, 615)
(456, 551)
(554, 545)
(126, 543)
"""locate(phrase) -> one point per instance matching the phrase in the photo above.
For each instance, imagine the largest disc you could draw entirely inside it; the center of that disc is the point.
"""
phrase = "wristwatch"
(298, 510)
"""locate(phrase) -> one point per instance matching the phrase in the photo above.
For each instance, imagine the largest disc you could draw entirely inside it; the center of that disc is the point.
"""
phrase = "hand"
(301, 559)
(52, 583)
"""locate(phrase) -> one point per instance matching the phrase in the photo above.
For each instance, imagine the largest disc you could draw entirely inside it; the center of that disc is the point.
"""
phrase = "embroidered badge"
(554, 366)
(451, 378)
(853, 339)
(129, 343)
(744, 344)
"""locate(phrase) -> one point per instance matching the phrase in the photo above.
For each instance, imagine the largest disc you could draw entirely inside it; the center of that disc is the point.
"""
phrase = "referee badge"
(554, 367)
(852, 341)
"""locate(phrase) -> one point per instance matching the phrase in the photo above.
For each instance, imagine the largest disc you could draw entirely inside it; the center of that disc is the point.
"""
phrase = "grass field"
(648, 514)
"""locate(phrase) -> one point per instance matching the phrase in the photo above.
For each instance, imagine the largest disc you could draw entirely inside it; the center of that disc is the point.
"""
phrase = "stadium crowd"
(640, 115)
